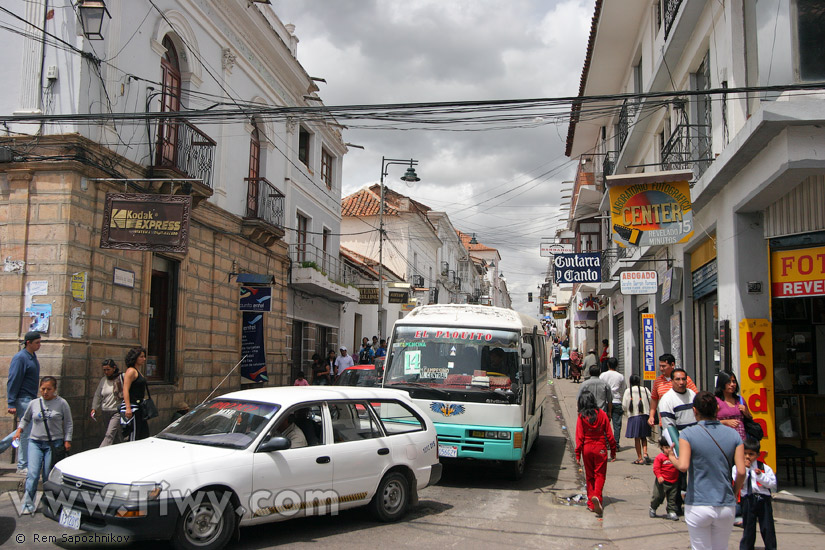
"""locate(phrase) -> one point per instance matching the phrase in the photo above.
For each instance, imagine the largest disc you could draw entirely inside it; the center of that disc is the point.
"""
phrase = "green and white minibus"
(479, 372)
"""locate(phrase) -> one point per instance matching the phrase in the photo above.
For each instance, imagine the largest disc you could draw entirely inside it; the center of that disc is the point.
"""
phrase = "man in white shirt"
(676, 406)
(617, 384)
(344, 361)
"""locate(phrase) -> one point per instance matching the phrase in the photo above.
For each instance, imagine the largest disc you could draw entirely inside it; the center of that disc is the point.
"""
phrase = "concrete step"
(10, 480)
(810, 508)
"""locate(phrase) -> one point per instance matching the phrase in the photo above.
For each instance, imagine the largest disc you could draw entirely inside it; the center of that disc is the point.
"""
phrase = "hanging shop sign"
(158, 223)
(756, 380)
(672, 286)
(651, 213)
(590, 303)
(255, 298)
(369, 295)
(548, 250)
(253, 366)
(639, 282)
(649, 344)
(398, 297)
(578, 268)
(796, 273)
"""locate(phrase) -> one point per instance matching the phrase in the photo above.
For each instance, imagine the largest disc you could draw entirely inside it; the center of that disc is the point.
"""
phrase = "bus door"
(529, 395)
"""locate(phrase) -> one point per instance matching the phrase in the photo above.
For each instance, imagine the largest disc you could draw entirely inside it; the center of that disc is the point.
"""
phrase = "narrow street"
(478, 506)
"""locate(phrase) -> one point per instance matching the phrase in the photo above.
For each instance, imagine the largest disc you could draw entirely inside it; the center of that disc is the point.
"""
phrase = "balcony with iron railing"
(184, 151)
(688, 148)
(264, 218)
(317, 272)
(671, 9)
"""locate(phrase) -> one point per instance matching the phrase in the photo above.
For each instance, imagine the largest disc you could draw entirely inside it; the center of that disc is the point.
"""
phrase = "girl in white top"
(636, 405)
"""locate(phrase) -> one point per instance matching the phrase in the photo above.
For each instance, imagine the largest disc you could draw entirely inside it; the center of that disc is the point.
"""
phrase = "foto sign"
(649, 344)
(639, 282)
(548, 250)
(578, 268)
(796, 273)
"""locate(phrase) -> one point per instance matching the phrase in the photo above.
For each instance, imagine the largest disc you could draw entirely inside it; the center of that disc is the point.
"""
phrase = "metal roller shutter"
(620, 342)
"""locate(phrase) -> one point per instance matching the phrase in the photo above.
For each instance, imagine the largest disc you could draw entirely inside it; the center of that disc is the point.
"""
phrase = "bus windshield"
(473, 364)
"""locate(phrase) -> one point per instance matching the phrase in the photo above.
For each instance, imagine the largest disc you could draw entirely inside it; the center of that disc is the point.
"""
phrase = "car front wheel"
(207, 523)
(392, 499)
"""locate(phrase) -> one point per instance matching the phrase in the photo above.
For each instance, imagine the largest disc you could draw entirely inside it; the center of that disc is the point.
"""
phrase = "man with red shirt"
(664, 383)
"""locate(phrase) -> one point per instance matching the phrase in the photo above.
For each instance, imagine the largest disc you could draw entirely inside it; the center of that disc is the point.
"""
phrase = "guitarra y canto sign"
(158, 223)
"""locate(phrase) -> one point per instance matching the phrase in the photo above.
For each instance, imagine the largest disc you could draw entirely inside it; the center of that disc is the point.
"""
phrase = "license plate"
(449, 451)
(70, 518)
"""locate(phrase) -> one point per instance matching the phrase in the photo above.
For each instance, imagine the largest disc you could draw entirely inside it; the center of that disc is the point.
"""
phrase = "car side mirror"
(526, 350)
(275, 444)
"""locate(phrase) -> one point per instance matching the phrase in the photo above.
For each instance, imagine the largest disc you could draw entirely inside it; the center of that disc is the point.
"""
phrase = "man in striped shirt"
(663, 384)
(676, 406)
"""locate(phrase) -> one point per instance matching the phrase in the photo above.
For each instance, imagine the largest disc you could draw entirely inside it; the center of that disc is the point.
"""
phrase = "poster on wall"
(253, 366)
(649, 345)
(649, 210)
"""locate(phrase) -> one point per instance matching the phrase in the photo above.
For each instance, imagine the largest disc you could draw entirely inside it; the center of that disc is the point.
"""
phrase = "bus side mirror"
(526, 351)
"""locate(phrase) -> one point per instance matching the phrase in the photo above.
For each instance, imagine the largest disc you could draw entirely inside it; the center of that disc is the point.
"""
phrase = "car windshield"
(456, 360)
(354, 376)
(229, 423)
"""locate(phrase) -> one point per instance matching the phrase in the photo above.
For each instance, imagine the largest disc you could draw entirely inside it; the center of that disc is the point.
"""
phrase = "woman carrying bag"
(135, 409)
(50, 439)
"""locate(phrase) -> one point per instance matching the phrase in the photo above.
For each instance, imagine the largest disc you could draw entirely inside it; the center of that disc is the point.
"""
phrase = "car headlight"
(133, 491)
(56, 476)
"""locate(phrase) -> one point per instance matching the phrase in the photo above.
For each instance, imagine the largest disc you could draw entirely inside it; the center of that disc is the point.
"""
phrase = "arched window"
(253, 180)
(170, 102)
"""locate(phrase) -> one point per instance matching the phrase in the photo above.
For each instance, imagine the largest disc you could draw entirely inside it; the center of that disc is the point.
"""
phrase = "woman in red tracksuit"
(593, 435)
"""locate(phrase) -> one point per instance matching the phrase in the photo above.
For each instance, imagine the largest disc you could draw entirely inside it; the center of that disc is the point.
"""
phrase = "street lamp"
(91, 17)
(410, 177)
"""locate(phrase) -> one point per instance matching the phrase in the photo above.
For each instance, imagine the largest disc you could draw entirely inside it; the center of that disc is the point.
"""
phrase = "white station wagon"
(250, 457)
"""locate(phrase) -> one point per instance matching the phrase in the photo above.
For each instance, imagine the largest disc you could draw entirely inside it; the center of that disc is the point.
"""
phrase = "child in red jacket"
(666, 484)
(593, 434)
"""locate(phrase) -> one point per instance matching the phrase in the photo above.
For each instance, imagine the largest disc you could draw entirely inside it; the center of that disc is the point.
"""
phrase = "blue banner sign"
(649, 345)
(255, 298)
(578, 268)
(253, 367)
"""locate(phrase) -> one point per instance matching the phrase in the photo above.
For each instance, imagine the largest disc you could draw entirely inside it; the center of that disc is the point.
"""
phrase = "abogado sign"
(578, 268)
(639, 282)
(158, 223)
(651, 213)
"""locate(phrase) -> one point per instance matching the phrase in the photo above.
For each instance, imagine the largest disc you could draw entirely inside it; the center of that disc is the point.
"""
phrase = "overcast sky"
(393, 51)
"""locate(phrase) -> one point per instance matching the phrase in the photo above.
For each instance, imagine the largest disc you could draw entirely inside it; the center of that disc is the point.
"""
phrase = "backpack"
(556, 351)
(364, 356)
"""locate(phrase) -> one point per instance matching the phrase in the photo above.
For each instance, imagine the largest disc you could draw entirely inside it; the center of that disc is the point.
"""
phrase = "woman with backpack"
(636, 405)
(556, 359)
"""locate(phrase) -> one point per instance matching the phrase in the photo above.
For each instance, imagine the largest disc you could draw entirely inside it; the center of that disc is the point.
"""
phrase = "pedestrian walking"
(600, 390)
(343, 362)
(320, 371)
(708, 451)
(575, 365)
(666, 484)
(676, 406)
(106, 401)
(133, 421)
(50, 422)
(636, 405)
(21, 388)
(557, 370)
(605, 355)
(565, 359)
(732, 409)
(330, 363)
(593, 437)
(589, 360)
(755, 497)
(663, 383)
(617, 387)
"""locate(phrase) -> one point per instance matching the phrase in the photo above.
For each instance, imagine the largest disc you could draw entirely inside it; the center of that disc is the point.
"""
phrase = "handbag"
(59, 452)
(752, 427)
(148, 407)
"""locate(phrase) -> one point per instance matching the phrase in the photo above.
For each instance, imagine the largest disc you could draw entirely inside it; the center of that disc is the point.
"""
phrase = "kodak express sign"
(756, 380)
(797, 273)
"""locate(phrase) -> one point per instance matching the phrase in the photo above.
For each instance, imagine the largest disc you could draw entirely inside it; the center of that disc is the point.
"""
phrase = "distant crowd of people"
(326, 371)
(708, 468)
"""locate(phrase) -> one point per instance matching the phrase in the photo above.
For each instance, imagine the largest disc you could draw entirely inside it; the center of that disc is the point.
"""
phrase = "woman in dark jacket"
(134, 392)
(320, 371)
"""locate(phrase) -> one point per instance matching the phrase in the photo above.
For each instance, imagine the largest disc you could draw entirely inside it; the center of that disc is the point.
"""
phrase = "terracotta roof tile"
(465, 240)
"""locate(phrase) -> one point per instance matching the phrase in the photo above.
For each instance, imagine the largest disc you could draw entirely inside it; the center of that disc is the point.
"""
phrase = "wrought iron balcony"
(671, 9)
(316, 272)
(688, 148)
(623, 125)
(264, 202)
(185, 149)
